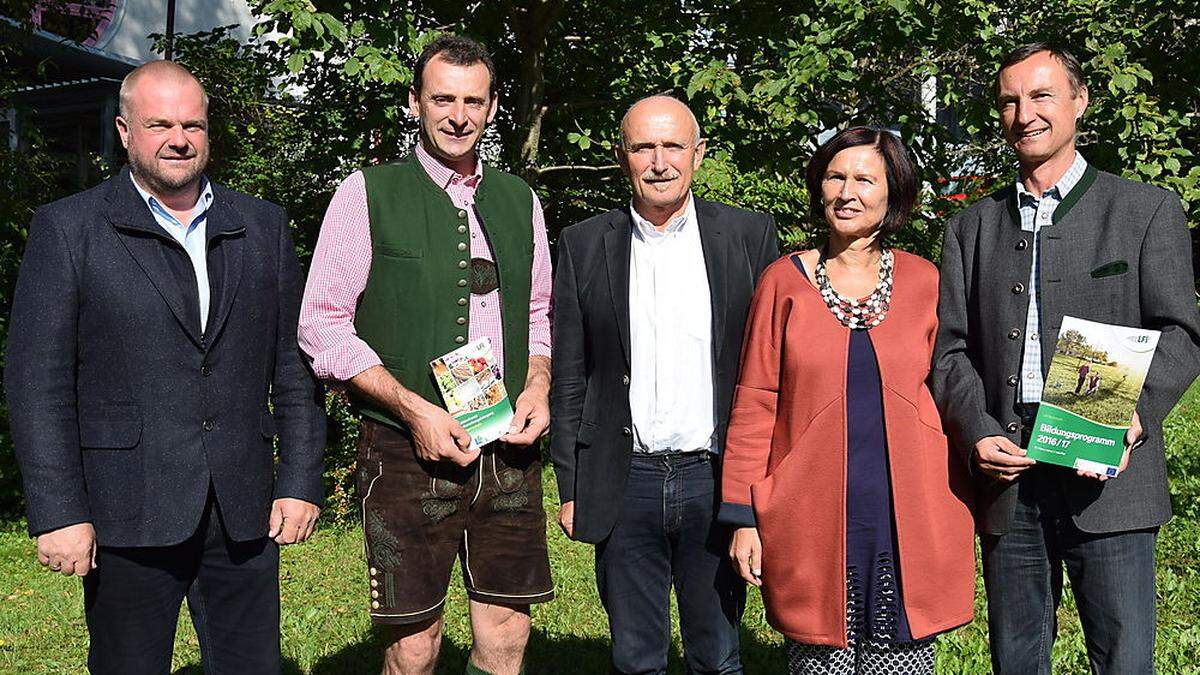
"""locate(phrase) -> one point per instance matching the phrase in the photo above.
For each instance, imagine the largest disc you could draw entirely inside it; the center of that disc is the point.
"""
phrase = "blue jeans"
(667, 534)
(1112, 579)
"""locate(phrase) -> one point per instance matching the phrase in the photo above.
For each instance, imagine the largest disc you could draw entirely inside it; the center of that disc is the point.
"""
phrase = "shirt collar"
(646, 230)
(443, 175)
(1064, 185)
(203, 202)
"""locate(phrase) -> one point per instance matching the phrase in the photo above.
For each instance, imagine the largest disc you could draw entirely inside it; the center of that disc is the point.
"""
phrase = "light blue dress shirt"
(191, 237)
(1035, 214)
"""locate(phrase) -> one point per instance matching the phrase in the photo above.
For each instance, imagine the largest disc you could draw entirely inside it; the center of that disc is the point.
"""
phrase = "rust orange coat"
(786, 456)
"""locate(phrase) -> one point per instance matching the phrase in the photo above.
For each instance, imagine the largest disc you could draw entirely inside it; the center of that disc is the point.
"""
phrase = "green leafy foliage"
(29, 177)
(322, 89)
(764, 84)
(25, 180)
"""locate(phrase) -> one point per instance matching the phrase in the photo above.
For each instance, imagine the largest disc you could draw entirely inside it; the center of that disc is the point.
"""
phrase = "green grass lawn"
(325, 627)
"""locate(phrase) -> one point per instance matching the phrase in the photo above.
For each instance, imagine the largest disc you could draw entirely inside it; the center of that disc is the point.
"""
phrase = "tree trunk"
(531, 23)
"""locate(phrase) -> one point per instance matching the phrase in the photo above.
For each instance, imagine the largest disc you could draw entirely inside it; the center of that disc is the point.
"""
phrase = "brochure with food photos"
(470, 382)
(1091, 393)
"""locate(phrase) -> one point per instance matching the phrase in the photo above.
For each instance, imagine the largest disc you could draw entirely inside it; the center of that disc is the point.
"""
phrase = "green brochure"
(1091, 393)
(469, 379)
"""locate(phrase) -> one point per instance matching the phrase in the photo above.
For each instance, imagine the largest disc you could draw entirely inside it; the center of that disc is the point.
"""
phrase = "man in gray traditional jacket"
(1065, 239)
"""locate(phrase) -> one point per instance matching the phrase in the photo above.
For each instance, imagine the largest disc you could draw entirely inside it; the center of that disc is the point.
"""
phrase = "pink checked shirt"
(342, 261)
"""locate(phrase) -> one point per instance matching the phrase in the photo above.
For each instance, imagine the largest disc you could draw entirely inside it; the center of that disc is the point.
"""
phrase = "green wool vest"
(415, 305)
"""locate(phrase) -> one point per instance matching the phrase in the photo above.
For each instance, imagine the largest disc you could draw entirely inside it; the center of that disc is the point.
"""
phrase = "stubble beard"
(156, 181)
(429, 138)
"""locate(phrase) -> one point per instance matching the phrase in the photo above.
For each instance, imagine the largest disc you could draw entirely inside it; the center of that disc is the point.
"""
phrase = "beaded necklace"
(864, 313)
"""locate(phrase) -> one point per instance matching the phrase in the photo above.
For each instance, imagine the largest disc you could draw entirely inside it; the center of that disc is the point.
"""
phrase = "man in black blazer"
(152, 360)
(650, 305)
(1063, 240)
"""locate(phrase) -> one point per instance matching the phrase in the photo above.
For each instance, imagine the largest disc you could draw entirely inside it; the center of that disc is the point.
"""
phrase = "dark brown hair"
(458, 50)
(901, 173)
(1064, 57)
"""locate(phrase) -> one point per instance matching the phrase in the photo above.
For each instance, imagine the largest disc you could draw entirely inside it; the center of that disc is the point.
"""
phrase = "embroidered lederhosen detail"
(441, 500)
(513, 489)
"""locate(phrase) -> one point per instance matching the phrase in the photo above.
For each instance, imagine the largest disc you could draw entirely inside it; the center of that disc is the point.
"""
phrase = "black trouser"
(667, 535)
(132, 603)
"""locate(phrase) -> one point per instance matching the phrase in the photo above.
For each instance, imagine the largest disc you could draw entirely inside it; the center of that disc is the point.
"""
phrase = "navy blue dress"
(875, 610)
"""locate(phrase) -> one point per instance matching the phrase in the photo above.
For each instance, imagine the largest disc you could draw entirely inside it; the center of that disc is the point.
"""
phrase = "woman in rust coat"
(851, 511)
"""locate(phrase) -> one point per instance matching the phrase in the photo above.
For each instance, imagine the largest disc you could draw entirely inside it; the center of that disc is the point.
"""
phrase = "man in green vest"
(416, 259)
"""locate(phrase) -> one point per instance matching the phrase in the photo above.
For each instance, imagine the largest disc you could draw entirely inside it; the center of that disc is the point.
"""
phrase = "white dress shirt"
(670, 337)
(1037, 213)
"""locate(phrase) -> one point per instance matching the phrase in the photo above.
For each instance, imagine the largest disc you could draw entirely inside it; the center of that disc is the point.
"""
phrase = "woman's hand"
(746, 552)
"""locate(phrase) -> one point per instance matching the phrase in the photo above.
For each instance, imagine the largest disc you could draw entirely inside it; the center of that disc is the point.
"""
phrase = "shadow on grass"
(289, 667)
(565, 654)
(761, 657)
(365, 656)
(560, 654)
(546, 655)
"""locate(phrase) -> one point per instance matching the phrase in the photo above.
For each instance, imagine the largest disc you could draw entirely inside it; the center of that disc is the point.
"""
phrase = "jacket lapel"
(1013, 207)
(715, 250)
(616, 248)
(147, 243)
(226, 242)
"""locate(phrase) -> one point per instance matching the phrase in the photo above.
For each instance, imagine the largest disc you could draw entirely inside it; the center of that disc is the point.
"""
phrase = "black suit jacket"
(122, 412)
(591, 425)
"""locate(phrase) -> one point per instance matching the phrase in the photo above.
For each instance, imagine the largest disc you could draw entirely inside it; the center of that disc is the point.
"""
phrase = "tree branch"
(541, 170)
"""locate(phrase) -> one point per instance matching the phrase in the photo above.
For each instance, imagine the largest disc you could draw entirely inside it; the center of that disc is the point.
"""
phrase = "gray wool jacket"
(1118, 252)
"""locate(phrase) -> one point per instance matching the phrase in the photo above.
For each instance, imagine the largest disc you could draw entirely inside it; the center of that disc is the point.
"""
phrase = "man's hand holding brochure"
(470, 382)
(1088, 419)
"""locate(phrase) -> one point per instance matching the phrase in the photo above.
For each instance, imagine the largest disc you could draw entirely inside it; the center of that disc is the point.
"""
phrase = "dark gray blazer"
(1118, 252)
(122, 412)
(590, 420)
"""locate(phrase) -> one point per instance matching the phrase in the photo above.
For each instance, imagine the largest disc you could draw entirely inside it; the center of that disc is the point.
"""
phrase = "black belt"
(671, 456)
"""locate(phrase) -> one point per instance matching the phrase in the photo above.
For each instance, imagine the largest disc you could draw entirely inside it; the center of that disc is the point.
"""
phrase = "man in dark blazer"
(152, 360)
(1064, 240)
(650, 306)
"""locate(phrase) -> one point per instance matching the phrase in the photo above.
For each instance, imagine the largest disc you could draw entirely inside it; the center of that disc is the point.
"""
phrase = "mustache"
(650, 176)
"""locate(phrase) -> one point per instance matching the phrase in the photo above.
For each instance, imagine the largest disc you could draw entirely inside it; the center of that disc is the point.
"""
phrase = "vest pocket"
(109, 426)
(399, 251)
(392, 361)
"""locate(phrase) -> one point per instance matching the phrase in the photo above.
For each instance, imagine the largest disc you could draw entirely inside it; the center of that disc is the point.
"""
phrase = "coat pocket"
(1112, 269)
(266, 424)
(392, 361)
(805, 454)
(113, 427)
(587, 431)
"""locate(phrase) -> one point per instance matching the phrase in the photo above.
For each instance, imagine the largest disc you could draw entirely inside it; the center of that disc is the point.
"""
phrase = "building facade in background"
(76, 53)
